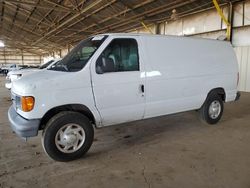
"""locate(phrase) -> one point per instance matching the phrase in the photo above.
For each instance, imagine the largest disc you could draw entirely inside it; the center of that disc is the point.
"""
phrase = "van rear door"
(117, 83)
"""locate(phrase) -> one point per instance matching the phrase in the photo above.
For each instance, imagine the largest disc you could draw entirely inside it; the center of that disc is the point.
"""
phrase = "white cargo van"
(115, 78)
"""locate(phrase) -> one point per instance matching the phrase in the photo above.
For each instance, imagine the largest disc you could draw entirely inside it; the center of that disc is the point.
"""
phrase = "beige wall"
(11, 56)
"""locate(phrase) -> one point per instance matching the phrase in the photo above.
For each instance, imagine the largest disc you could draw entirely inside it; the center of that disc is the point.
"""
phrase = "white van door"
(117, 83)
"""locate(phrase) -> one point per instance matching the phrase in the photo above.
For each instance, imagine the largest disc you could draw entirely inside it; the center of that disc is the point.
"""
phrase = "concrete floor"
(173, 151)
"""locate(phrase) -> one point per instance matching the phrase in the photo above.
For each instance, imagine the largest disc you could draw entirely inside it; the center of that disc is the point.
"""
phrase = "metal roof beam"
(140, 17)
(84, 17)
(111, 17)
(24, 12)
(68, 20)
(57, 7)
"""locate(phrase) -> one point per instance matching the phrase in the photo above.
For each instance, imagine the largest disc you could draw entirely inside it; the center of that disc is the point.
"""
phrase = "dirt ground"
(172, 151)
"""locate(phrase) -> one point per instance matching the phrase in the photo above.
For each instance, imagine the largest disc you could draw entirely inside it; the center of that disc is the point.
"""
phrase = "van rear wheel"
(67, 136)
(212, 110)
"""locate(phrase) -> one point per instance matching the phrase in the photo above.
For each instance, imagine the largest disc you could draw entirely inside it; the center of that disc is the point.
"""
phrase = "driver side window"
(120, 55)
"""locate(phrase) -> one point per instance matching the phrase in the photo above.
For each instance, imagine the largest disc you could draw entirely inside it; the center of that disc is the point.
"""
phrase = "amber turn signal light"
(27, 103)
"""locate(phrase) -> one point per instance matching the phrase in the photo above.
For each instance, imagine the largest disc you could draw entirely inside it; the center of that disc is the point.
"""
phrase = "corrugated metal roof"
(44, 25)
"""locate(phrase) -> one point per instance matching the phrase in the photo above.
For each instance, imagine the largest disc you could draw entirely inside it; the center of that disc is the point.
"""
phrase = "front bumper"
(21, 126)
(237, 96)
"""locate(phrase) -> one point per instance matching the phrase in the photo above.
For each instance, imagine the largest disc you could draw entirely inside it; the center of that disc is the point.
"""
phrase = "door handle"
(142, 88)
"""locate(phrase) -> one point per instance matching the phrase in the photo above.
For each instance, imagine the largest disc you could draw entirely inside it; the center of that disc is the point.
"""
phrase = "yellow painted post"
(147, 28)
(217, 6)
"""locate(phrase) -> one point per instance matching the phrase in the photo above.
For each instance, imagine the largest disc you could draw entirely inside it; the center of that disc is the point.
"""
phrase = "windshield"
(43, 66)
(76, 59)
(55, 63)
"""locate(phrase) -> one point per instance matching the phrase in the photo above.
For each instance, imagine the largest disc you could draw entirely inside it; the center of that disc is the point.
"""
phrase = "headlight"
(17, 101)
(24, 103)
(27, 103)
(15, 76)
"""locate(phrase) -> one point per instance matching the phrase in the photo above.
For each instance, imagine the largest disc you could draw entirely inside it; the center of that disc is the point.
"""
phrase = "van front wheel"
(212, 110)
(67, 136)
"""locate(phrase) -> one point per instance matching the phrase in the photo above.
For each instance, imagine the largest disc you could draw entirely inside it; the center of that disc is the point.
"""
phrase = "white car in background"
(9, 67)
(17, 74)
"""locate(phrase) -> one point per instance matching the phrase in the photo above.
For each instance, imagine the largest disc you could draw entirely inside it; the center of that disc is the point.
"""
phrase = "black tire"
(55, 124)
(204, 110)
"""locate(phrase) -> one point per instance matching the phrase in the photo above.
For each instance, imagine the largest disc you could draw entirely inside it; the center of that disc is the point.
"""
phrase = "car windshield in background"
(76, 59)
(46, 64)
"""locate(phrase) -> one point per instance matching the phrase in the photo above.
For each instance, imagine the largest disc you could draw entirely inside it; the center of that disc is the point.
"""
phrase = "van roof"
(158, 35)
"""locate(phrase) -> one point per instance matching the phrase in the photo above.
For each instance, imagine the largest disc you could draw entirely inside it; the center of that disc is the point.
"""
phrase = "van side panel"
(180, 72)
(69, 88)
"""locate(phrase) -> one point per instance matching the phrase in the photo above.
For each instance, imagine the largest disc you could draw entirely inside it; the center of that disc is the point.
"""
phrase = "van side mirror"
(104, 65)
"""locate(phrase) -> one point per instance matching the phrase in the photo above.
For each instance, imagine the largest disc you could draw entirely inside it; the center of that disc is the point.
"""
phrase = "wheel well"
(69, 107)
(220, 92)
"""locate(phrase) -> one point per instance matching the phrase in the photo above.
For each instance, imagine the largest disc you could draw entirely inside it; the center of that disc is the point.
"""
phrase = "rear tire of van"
(212, 110)
(67, 136)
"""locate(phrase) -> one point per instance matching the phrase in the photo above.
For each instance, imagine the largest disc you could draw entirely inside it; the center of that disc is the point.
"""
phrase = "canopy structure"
(40, 26)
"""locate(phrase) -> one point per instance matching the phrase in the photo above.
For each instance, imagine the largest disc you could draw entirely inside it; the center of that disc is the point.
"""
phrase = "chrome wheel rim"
(214, 109)
(70, 138)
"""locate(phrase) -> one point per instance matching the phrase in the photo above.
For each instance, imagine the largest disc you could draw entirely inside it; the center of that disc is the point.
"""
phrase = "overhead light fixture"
(174, 15)
(1, 44)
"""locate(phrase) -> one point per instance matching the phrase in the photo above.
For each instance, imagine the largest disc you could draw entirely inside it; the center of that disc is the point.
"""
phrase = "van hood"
(43, 80)
(22, 71)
